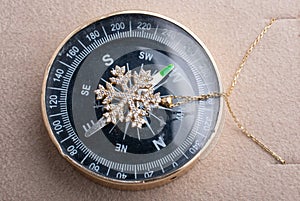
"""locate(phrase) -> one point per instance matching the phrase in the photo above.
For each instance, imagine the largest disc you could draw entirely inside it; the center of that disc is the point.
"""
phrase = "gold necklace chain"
(169, 100)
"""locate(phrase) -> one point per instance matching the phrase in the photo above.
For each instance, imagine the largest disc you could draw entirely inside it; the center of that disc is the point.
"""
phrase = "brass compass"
(121, 99)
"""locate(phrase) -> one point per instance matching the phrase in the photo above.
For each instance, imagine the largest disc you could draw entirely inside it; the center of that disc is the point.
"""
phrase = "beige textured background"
(266, 99)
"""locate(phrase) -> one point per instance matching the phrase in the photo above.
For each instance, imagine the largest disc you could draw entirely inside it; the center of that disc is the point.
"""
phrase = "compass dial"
(102, 95)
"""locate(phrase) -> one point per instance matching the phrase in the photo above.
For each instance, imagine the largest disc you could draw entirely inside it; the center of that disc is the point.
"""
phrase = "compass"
(105, 99)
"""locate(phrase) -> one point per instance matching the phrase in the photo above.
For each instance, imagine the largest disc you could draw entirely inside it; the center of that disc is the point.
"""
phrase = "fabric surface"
(266, 99)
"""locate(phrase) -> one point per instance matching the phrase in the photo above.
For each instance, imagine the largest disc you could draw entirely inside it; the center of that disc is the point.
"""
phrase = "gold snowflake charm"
(129, 96)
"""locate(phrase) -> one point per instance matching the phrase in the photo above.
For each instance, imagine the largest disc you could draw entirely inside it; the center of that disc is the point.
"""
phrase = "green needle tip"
(166, 70)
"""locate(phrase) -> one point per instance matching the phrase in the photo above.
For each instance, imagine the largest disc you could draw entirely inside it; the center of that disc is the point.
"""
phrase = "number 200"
(117, 26)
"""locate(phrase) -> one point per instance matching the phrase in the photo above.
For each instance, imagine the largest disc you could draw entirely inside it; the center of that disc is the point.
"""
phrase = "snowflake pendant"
(128, 97)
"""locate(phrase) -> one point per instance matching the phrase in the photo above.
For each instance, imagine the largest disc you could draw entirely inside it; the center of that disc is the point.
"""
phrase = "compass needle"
(96, 127)
(159, 85)
(158, 77)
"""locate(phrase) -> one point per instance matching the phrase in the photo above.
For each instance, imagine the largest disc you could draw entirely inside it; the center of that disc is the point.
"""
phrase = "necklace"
(168, 101)
(121, 99)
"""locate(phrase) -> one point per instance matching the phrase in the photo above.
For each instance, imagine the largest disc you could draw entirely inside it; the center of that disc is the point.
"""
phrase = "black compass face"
(102, 98)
